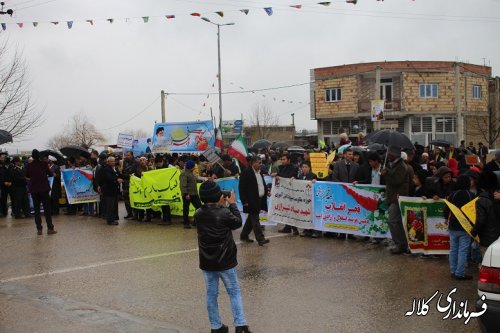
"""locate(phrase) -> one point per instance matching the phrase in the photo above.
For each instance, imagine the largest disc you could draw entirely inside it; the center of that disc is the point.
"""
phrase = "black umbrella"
(440, 143)
(295, 149)
(377, 147)
(60, 160)
(390, 138)
(5, 137)
(280, 145)
(357, 149)
(262, 144)
(75, 151)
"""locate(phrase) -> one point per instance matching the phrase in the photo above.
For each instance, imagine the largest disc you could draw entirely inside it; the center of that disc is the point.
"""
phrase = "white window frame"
(431, 86)
(476, 91)
(329, 94)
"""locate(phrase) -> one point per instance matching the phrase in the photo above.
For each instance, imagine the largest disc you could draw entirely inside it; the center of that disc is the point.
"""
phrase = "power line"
(133, 117)
(241, 91)
(35, 5)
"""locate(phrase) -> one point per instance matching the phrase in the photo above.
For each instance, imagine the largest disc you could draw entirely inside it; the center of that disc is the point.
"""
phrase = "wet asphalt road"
(142, 277)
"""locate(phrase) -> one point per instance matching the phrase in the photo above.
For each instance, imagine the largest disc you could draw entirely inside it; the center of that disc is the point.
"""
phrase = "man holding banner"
(109, 187)
(397, 183)
(253, 195)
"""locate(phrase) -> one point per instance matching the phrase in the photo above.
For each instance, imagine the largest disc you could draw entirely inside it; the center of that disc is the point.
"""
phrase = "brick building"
(424, 99)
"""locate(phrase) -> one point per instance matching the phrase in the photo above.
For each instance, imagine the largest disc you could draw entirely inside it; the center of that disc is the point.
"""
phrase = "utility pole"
(293, 119)
(162, 106)
(376, 124)
(458, 105)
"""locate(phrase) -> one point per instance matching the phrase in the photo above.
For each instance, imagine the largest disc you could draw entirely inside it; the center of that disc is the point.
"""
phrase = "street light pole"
(219, 65)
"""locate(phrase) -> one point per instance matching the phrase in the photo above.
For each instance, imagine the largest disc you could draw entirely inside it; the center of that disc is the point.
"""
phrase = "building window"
(476, 92)
(333, 95)
(446, 125)
(428, 90)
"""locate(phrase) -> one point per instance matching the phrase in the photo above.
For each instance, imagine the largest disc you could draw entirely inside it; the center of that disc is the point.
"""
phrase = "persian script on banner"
(291, 202)
(425, 226)
(231, 183)
(158, 188)
(79, 185)
(351, 209)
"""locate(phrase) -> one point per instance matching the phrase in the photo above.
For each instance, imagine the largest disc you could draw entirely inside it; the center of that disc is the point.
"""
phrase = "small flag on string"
(145, 19)
(296, 6)
(110, 20)
(169, 17)
(4, 26)
(35, 24)
(70, 24)
(324, 3)
(91, 22)
(269, 10)
(213, 85)
(221, 14)
(203, 104)
(245, 11)
(20, 24)
(352, 1)
(55, 23)
(195, 14)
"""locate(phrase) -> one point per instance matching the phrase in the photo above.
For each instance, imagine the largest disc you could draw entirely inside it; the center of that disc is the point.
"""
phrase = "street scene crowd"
(438, 172)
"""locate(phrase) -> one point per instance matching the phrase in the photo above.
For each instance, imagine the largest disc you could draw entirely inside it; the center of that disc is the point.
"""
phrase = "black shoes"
(285, 230)
(222, 329)
(465, 277)
(187, 226)
(128, 216)
(242, 329)
(246, 240)
(261, 243)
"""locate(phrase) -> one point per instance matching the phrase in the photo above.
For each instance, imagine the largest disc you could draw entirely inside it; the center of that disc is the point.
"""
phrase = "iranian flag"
(219, 145)
(238, 149)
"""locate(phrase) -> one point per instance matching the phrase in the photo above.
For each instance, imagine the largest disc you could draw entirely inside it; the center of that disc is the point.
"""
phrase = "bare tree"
(492, 123)
(18, 114)
(80, 131)
(138, 132)
(263, 119)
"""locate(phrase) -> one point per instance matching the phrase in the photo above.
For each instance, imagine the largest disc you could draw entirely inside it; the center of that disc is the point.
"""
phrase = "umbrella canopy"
(358, 149)
(390, 138)
(440, 143)
(280, 145)
(377, 147)
(60, 160)
(262, 144)
(5, 137)
(342, 148)
(295, 149)
(75, 151)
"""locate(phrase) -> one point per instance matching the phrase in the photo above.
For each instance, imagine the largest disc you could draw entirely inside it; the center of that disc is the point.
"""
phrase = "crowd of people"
(440, 173)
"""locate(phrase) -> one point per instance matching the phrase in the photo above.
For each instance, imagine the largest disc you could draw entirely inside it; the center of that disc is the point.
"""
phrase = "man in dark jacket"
(37, 172)
(397, 183)
(127, 168)
(493, 165)
(17, 183)
(218, 253)
(345, 170)
(442, 184)
(253, 196)
(109, 187)
(369, 173)
(487, 225)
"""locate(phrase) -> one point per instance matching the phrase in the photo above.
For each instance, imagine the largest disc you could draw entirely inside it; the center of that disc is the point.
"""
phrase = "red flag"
(218, 141)
(239, 150)
(91, 22)
(296, 6)
(170, 16)
(20, 25)
(195, 14)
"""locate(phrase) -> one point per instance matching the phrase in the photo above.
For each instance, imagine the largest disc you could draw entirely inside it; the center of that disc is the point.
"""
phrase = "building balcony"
(364, 105)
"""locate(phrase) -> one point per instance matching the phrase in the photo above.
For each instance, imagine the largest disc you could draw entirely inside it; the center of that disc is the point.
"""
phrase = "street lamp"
(219, 74)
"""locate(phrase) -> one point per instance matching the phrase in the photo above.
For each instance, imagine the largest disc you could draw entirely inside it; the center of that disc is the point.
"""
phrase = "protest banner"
(462, 219)
(157, 188)
(352, 209)
(211, 156)
(291, 202)
(186, 137)
(78, 184)
(472, 159)
(140, 146)
(231, 183)
(425, 226)
(125, 140)
(319, 164)
(377, 109)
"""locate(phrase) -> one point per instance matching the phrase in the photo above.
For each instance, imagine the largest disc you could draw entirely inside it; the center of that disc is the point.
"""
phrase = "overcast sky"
(113, 72)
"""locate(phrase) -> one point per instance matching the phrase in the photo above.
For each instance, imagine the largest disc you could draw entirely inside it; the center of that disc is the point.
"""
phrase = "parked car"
(489, 286)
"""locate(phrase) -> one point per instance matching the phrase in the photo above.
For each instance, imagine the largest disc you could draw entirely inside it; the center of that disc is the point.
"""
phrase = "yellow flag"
(464, 221)
(469, 210)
